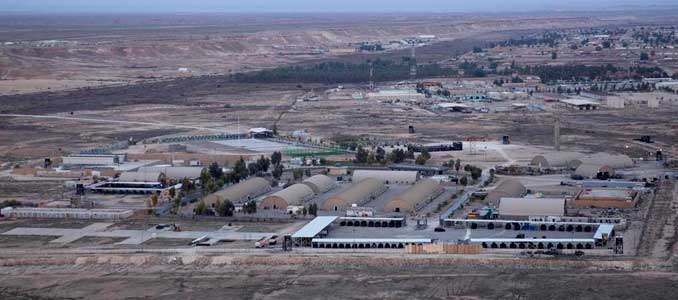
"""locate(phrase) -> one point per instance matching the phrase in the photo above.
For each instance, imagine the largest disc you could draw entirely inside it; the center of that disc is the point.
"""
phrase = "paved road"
(113, 121)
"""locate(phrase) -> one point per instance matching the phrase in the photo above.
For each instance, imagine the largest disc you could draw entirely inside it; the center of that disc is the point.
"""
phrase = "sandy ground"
(324, 277)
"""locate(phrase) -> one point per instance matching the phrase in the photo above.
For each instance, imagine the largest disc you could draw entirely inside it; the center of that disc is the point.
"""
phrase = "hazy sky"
(146, 6)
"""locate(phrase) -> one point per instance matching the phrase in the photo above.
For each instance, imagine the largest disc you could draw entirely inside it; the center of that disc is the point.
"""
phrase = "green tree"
(277, 171)
(644, 56)
(276, 158)
(264, 163)
(463, 181)
(205, 177)
(225, 209)
(298, 174)
(201, 209)
(154, 200)
(216, 171)
(421, 160)
(250, 207)
(476, 173)
(361, 155)
(253, 169)
(457, 165)
(187, 185)
(172, 192)
(313, 209)
(304, 211)
(426, 154)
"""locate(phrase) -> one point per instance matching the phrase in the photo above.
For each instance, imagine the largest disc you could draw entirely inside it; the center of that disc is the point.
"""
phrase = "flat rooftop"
(607, 194)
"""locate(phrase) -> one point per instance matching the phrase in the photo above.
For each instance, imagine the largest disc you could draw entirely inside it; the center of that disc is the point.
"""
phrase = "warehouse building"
(175, 173)
(581, 104)
(142, 177)
(94, 159)
(415, 197)
(424, 170)
(590, 171)
(66, 213)
(553, 160)
(619, 161)
(508, 188)
(573, 160)
(531, 208)
(294, 195)
(359, 193)
(606, 198)
(320, 183)
(241, 192)
(387, 177)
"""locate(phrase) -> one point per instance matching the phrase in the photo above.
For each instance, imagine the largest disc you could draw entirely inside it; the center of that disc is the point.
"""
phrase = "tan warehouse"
(573, 160)
(295, 195)
(415, 197)
(359, 193)
(526, 208)
(387, 177)
(241, 192)
(142, 177)
(507, 188)
(320, 183)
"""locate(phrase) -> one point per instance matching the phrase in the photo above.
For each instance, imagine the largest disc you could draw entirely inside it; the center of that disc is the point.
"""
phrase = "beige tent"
(359, 193)
(412, 198)
(241, 192)
(387, 177)
(506, 188)
(295, 194)
(320, 183)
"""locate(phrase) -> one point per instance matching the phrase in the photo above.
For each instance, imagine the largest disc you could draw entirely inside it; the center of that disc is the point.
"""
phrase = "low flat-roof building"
(66, 213)
(93, 159)
(530, 208)
(175, 173)
(415, 197)
(295, 195)
(387, 177)
(142, 177)
(581, 104)
(425, 170)
(606, 198)
(359, 193)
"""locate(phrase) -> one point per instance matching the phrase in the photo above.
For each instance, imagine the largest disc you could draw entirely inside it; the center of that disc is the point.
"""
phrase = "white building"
(94, 159)
(66, 213)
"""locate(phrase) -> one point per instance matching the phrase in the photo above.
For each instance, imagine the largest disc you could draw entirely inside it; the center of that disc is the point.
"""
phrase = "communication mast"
(371, 76)
(413, 61)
